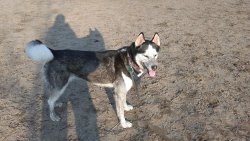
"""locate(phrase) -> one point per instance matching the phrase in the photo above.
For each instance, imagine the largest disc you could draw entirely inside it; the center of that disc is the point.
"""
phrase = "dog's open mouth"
(151, 73)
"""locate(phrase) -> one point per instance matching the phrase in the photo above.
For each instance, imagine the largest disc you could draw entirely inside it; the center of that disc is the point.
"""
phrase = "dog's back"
(96, 67)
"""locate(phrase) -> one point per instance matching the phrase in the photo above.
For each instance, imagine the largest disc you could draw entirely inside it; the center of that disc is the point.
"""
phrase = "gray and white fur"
(106, 68)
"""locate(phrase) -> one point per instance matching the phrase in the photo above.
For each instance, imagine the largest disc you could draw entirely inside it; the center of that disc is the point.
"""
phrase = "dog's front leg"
(120, 99)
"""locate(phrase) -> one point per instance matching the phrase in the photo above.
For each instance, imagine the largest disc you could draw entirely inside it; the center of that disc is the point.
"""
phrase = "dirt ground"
(202, 88)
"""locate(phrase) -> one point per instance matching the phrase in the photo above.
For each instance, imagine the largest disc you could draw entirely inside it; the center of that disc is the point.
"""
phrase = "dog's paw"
(128, 107)
(60, 104)
(126, 124)
(54, 117)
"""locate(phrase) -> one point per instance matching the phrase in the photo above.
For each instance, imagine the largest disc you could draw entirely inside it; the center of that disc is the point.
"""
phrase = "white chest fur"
(128, 82)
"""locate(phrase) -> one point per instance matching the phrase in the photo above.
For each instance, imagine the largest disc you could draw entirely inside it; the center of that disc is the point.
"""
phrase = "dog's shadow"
(76, 96)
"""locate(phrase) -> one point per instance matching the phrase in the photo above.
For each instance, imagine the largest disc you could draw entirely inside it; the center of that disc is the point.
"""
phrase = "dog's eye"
(146, 56)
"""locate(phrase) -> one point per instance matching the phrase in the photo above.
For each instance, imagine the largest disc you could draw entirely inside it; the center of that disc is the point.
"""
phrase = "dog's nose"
(154, 67)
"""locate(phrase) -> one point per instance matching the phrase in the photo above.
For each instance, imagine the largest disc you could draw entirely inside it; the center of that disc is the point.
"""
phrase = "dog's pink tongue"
(151, 73)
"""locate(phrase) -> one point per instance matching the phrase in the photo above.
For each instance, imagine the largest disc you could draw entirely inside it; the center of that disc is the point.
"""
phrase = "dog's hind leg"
(55, 95)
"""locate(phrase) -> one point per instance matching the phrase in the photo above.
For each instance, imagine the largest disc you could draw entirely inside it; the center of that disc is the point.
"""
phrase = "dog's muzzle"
(151, 67)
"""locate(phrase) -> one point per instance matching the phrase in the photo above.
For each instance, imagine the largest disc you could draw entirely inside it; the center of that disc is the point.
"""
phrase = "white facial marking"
(128, 82)
(151, 52)
(140, 58)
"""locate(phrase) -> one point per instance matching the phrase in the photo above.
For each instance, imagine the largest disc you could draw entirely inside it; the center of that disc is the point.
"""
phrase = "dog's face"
(147, 53)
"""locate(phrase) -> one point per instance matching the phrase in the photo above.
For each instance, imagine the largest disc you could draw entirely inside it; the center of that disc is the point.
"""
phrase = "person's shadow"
(61, 36)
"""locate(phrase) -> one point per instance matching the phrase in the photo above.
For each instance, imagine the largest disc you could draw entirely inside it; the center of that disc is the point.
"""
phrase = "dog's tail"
(38, 52)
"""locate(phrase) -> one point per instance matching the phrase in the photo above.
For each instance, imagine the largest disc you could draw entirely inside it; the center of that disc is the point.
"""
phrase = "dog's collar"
(133, 67)
(134, 70)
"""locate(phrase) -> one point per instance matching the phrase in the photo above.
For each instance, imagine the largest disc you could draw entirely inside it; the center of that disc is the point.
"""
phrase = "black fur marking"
(38, 41)
(97, 67)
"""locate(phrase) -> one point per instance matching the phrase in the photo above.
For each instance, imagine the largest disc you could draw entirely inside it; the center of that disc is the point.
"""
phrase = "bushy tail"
(38, 52)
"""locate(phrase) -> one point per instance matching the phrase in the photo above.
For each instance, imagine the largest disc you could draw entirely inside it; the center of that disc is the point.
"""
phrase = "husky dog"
(110, 68)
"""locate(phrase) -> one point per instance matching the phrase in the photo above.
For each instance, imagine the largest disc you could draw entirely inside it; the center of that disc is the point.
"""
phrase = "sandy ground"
(202, 88)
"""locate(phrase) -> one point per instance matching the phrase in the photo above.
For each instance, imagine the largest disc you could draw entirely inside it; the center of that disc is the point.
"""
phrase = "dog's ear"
(156, 39)
(139, 40)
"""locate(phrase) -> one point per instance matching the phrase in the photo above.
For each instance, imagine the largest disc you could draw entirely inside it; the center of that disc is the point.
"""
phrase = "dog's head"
(147, 53)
